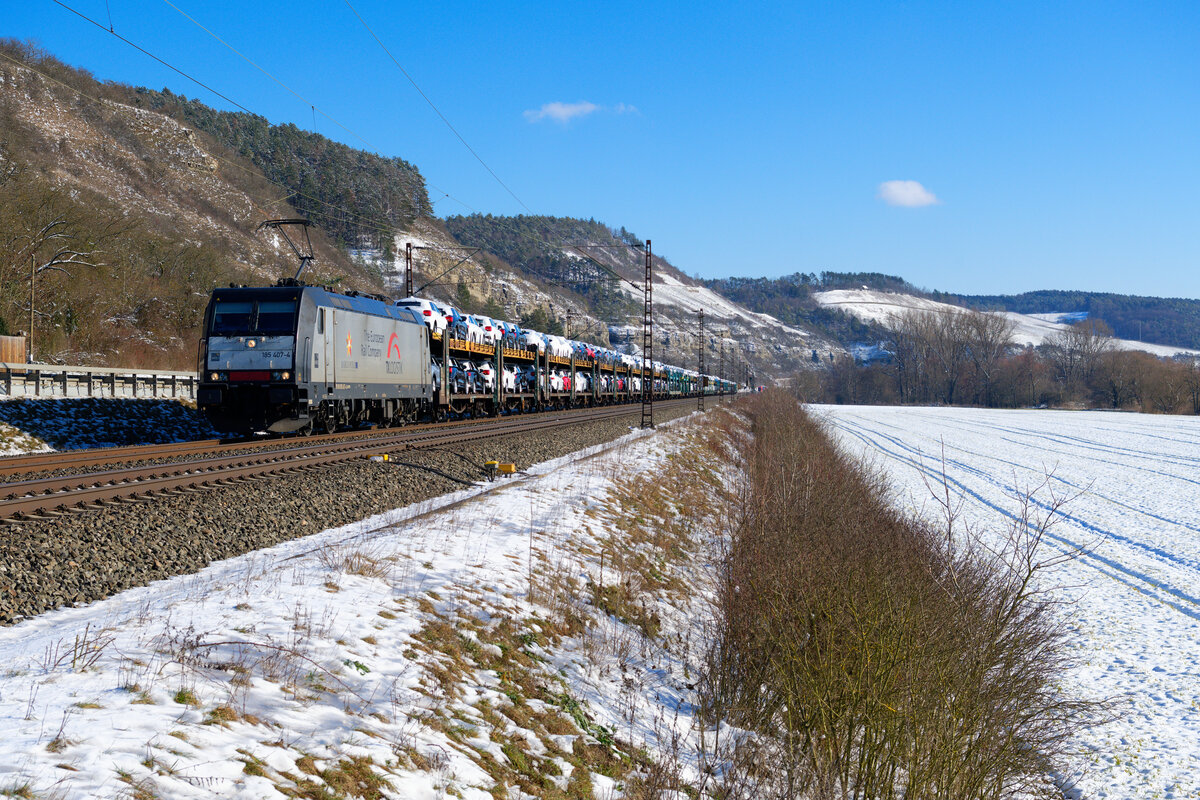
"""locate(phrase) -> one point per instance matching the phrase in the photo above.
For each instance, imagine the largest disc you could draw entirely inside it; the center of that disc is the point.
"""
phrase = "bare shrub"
(353, 561)
(883, 657)
(81, 654)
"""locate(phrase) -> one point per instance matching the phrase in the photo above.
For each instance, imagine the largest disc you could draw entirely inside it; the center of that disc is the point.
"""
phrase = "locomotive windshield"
(232, 317)
(240, 316)
(276, 316)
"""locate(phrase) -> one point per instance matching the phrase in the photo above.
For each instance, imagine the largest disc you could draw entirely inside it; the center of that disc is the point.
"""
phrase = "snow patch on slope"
(671, 291)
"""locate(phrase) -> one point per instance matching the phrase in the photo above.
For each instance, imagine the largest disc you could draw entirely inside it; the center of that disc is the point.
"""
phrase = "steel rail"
(73, 493)
(74, 459)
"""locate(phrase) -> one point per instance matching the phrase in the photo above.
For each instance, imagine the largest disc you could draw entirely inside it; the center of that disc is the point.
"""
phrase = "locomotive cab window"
(320, 320)
(276, 316)
(233, 317)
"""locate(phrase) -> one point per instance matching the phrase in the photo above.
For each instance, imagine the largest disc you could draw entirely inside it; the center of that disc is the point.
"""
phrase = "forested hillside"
(358, 198)
(1158, 320)
(570, 253)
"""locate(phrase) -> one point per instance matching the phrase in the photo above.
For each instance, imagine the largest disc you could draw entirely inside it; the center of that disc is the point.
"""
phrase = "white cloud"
(562, 113)
(909, 194)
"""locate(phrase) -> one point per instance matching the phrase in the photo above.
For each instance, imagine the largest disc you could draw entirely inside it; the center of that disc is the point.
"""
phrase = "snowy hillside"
(871, 305)
(670, 291)
(766, 341)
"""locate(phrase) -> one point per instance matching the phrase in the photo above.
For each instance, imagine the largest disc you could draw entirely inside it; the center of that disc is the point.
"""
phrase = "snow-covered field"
(410, 639)
(871, 305)
(1136, 588)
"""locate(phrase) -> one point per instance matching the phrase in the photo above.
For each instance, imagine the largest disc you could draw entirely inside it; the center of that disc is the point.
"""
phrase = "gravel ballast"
(79, 558)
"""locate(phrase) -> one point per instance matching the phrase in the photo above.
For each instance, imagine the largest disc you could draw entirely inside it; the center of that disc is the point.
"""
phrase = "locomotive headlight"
(283, 375)
(251, 343)
(218, 376)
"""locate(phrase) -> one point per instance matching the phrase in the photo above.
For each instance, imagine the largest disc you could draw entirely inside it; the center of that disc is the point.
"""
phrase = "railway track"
(80, 459)
(209, 463)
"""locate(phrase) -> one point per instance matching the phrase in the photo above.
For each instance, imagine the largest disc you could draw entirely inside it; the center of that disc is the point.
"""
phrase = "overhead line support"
(408, 289)
(648, 343)
(700, 398)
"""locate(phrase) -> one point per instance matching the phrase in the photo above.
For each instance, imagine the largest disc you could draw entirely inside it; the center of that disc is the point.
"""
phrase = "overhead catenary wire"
(379, 225)
(144, 51)
(362, 221)
(447, 272)
(264, 71)
(436, 110)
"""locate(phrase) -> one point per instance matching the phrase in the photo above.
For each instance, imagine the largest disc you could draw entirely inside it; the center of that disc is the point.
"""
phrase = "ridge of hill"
(1171, 321)
(162, 195)
(360, 199)
(1160, 325)
(1029, 330)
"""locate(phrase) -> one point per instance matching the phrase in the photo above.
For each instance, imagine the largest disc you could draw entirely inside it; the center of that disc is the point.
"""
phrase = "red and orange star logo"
(347, 344)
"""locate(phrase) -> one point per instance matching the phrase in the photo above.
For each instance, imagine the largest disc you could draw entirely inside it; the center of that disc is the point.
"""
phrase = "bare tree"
(929, 351)
(989, 336)
(1076, 351)
(1191, 380)
(43, 232)
(908, 341)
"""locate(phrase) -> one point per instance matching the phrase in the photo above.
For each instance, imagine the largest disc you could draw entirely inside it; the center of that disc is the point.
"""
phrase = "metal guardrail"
(54, 380)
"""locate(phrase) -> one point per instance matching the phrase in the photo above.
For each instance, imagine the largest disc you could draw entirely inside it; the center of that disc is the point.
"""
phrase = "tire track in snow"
(1105, 565)
(1019, 467)
(1022, 435)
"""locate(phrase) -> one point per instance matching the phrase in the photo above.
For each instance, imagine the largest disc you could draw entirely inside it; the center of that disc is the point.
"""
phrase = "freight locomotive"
(295, 358)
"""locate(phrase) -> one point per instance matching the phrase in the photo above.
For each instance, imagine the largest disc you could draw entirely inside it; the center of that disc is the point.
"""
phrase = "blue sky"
(1055, 144)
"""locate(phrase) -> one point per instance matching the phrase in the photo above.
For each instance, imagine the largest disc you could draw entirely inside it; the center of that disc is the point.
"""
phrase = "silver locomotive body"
(298, 358)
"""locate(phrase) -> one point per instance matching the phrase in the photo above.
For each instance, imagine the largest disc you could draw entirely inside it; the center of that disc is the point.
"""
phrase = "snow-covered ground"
(410, 639)
(1136, 589)
(871, 305)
